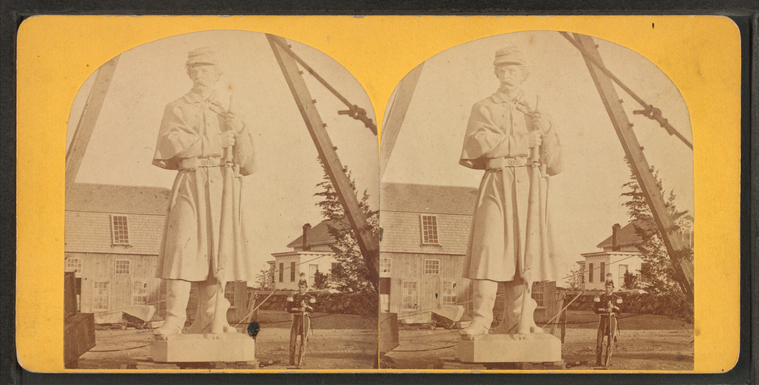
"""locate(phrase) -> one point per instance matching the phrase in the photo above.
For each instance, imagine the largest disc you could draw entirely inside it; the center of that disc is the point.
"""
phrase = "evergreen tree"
(321, 280)
(351, 273)
(265, 279)
(576, 278)
(657, 275)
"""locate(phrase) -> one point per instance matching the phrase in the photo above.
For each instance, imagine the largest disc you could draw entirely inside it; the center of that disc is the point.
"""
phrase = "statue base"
(226, 347)
(534, 347)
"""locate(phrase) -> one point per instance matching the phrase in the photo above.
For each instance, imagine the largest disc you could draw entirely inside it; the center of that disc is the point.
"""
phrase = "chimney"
(615, 237)
(306, 243)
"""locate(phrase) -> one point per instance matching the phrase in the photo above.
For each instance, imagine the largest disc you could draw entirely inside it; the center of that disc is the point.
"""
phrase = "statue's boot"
(512, 310)
(484, 292)
(177, 295)
(207, 294)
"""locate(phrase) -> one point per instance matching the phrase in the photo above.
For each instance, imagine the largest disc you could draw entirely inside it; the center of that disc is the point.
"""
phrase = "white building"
(620, 255)
(310, 253)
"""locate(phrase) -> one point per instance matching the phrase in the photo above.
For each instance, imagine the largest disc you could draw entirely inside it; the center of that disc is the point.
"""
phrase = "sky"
(585, 197)
(280, 195)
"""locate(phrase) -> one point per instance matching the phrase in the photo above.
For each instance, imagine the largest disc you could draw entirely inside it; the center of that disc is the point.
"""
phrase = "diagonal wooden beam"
(640, 167)
(87, 120)
(367, 242)
(391, 127)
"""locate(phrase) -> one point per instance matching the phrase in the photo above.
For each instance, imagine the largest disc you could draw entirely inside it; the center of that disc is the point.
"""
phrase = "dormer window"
(119, 230)
(429, 230)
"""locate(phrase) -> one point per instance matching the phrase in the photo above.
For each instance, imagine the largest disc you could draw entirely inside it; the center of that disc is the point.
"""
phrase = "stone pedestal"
(226, 347)
(536, 347)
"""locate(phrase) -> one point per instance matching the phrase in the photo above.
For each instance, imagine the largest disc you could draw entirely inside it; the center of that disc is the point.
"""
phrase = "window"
(139, 292)
(119, 230)
(622, 272)
(229, 293)
(410, 295)
(602, 276)
(431, 266)
(100, 296)
(122, 266)
(292, 271)
(74, 265)
(449, 293)
(590, 272)
(385, 265)
(429, 230)
(688, 238)
(645, 270)
(334, 266)
(538, 293)
(312, 270)
(281, 272)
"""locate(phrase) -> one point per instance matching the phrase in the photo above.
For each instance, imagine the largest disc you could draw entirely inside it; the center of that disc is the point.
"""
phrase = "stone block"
(536, 347)
(227, 347)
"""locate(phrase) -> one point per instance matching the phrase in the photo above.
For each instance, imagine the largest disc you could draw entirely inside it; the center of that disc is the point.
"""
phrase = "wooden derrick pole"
(87, 121)
(367, 241)
(641, 169)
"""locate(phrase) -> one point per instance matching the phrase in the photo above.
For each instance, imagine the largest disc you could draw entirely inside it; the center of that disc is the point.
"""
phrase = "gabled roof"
(417, 198)
(318, 235)
(116, 199)
(626, 236)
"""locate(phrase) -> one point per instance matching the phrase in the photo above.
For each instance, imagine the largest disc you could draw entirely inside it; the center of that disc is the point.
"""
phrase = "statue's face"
(510, 75)
(203, 76)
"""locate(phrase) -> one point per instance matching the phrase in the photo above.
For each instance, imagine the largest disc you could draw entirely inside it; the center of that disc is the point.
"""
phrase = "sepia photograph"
(537, 207)
(379, 194)
(221, 204)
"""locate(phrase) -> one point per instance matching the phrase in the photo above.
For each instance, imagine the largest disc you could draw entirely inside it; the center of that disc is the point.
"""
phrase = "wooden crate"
(78, 337)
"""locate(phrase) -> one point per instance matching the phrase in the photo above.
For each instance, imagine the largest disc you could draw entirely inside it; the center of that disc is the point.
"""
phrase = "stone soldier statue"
(196, 135)
(607, 306)
(512, 139)
(300, 305)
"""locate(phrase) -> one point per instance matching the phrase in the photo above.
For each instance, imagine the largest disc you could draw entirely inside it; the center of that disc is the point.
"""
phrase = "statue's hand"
(540, 122)
(227, 139)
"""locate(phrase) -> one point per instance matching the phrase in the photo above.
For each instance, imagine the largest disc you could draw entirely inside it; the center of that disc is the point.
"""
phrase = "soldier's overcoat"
(189, 134)
(498, 128)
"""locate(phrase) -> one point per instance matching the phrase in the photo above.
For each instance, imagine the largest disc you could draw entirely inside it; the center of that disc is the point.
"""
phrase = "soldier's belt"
(500, 163)
(193, 163)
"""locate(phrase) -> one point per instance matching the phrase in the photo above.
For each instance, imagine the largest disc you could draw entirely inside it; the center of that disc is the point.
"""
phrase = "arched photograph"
(221, 209)
(537, 206)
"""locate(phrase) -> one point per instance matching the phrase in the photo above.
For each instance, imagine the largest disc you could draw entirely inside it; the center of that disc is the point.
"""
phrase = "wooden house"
(425, 230)
(112, 237)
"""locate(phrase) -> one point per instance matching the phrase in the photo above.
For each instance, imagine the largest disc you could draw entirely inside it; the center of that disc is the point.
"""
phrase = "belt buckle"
(512, 161)
(206, 162)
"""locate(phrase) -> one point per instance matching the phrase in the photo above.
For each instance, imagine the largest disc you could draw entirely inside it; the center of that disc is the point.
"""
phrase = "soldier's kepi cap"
(202, 56)
(509, 55)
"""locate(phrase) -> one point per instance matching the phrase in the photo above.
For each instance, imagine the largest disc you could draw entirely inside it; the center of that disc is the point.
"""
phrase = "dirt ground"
(646, 342)
(337, 341)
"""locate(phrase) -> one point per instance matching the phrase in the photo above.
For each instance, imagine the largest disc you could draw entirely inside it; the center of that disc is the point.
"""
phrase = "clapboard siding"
(98, 267)
(90, 232)
(410, 267)
(402, 233)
